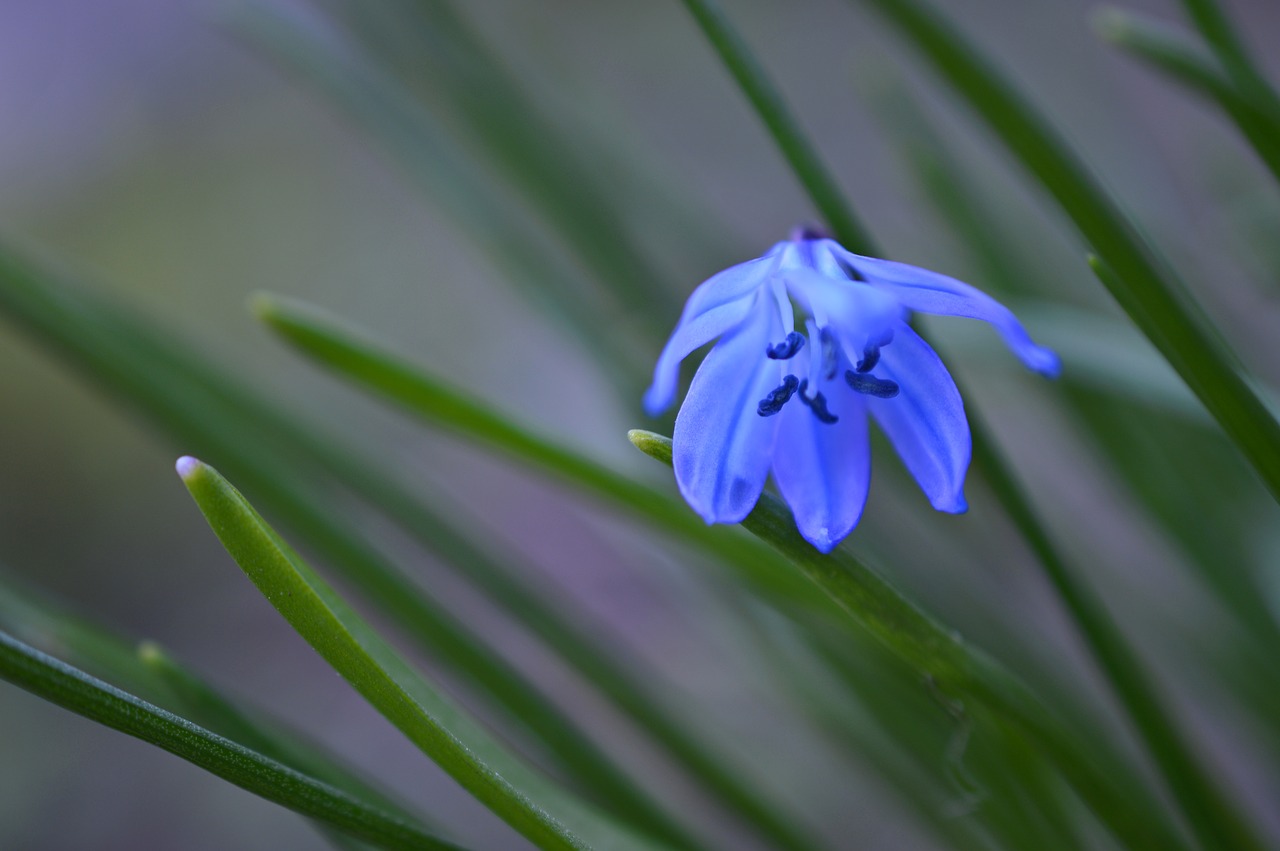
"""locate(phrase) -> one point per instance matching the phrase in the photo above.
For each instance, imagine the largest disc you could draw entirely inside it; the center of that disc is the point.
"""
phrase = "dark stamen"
(829, 365)
(778, 397)
(881, 388)
(871, 354)
(787, 348)
(870, 357)
(818, 404)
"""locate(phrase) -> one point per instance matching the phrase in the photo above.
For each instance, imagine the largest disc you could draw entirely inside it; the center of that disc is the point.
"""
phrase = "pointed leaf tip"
(654, 445)
(187, 467)
(262, 305)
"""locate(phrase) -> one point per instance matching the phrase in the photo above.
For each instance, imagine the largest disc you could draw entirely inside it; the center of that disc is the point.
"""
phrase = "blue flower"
(812, 339)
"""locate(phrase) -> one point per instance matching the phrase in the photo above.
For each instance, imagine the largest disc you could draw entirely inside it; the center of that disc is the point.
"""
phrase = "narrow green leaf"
(199, 406)
(1218, 31)
(380, 106)
(72, 689)
(334, 345)
(1122, 667)
(437, 54)
(1173, 53)
(269, 450)
(941, 656)
(782, 125)
(1148, 292)
(149, 672)
(529, 802)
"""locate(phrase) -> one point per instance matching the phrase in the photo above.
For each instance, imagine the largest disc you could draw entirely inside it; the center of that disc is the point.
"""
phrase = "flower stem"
(791, 140)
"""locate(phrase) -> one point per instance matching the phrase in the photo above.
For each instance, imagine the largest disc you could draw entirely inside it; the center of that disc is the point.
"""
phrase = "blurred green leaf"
(438, 55)
(782, 125)
(380, 106)
(1173, 53)
(1148, 292)
(334, 345)
(1218, 32)
(149, 672)
(72, 689)
(199, 406)
(544, 813)
(941, 657)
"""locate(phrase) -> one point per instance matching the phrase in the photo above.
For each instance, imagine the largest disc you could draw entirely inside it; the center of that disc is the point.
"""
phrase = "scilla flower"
(813, 338)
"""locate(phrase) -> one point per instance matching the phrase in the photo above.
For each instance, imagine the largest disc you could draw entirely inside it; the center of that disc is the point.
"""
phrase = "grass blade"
(1149, 293)
(437, 54)
(381, 107)
(72, 689)
(334, 345)
(941, 656)
(1217, 30)
(1179, 58)
(200, 407)
(529, 802)
(782, 125)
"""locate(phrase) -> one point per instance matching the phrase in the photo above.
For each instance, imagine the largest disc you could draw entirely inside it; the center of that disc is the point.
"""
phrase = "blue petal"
(928, 292)
(925, 422)
(722, 447)
(860, 313)
(716, 307)
(824, 470)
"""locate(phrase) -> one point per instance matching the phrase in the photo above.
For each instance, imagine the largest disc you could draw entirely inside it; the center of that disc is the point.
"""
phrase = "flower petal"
(722, 447)
(824, 470)
(925, 421)
(928, 292)
(716, 307)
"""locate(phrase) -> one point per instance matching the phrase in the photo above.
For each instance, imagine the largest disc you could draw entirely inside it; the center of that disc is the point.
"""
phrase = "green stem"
(59, 683)
(1229, 47)
(1185, 62)
(772, 109)
(940, 655)
(1148, 292)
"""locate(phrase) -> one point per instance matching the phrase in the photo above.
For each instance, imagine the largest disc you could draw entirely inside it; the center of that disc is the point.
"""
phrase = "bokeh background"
(155, 149)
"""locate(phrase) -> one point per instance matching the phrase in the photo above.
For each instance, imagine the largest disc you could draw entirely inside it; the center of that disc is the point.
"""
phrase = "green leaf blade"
(72, 689)
(527, 801)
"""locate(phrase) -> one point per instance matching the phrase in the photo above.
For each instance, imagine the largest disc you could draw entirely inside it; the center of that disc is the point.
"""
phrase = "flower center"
(824, 362)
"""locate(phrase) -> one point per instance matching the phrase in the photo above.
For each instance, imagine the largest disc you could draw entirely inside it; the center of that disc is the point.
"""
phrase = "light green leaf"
(356, 357)
(72, 689)
(532, 804)
(941, 656)
(293, 468)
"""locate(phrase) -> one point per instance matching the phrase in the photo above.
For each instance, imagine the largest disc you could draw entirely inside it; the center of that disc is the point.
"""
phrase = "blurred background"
(165, 154)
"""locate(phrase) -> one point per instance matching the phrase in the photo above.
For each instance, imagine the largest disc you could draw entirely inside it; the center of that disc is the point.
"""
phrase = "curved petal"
(925, 422)
(716, 307)
(690, 334)
(824, 470)
(721, 446)
(928, 292)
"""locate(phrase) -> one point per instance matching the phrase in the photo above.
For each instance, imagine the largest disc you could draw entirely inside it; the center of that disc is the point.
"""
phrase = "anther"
(881, 388)
(829, 363)
(787, 348)
(818, 404)
(871, 354)
(778, 397)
